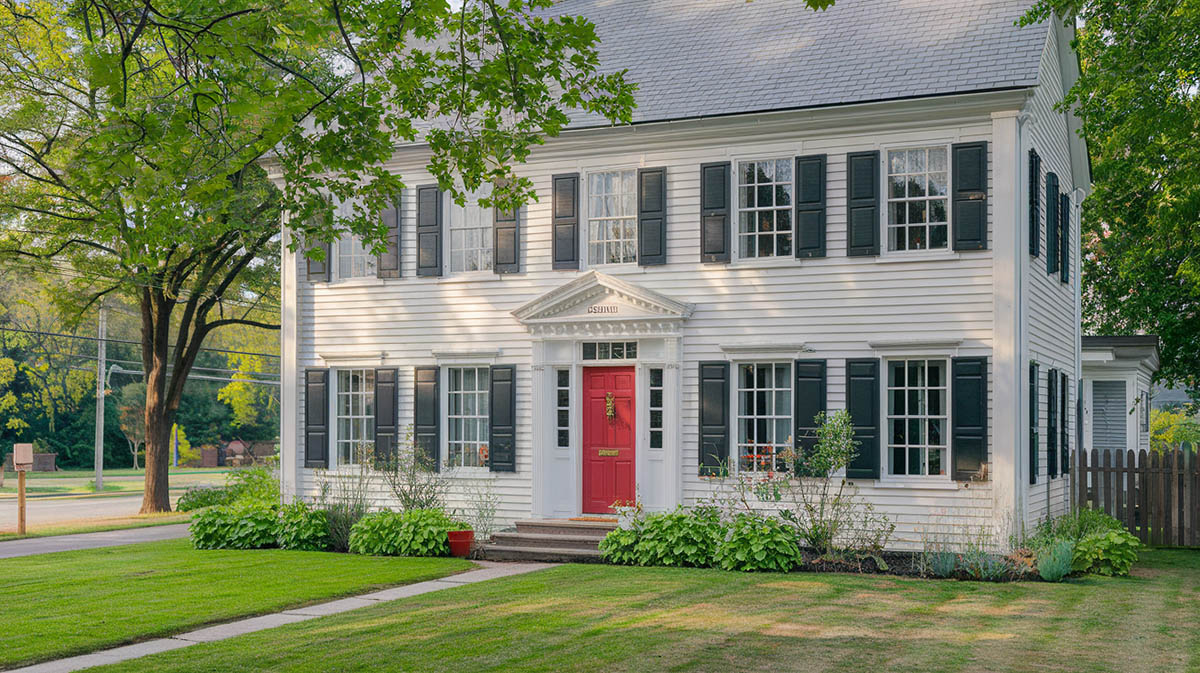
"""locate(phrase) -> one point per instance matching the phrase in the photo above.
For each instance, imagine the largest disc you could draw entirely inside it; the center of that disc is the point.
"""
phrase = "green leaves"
(1110, 552)
(416, 532)
(758, 543)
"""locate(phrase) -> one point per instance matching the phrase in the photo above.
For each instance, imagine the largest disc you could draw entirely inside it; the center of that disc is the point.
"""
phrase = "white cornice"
(898, 345)
(765, 349)
(587, 286)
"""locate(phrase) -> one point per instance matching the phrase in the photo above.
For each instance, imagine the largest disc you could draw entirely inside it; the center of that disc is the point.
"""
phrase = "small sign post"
(22, 463)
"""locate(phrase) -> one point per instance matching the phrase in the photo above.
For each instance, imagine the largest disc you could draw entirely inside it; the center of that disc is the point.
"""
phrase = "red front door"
(608, 437)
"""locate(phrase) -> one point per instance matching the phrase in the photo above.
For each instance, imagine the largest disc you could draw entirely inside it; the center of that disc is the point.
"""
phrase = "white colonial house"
(870, 208)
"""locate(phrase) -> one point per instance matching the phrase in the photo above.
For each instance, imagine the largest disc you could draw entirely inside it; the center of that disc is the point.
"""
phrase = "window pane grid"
(610, 350)
(612, 217)
(917, 189)
(562, 397)
(765, 208)
(656, 408)
(916, 417)
(467, 417)
(471, 235)
(353, 259)
(355, 414)
(764, 422)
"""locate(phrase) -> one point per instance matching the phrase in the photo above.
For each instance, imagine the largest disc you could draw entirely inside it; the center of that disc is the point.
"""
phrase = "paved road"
(41, 512)
(111, 538)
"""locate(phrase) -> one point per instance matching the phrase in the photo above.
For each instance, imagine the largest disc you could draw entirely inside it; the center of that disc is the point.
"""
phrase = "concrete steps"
(560, 540)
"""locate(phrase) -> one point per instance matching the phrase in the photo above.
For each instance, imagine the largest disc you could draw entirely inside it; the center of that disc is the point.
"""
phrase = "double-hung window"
(354, 260)
(764, 416)
(470, 231)
(612, 217)
(764, 205)
(916, 417)
(354, 410)
(917, 189)
(467, 417)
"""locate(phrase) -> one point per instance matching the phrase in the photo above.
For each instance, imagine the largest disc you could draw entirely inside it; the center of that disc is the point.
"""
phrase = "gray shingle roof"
(700, 58)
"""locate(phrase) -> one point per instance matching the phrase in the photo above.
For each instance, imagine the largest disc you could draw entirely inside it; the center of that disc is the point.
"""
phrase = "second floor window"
(354, 260)
(612, 217)
(470, 230)
(916, 196)
(764, 204)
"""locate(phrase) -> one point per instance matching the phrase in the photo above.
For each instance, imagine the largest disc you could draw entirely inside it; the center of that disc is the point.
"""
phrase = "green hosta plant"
(242, 526)
(680, 538)
(417, 532)
(1054, 562)
(1111, 552)
(620, 545)
(755, 542)
(303, 528)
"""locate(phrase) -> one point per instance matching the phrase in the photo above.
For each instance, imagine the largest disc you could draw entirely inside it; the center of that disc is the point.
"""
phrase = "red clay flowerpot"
(461, 542)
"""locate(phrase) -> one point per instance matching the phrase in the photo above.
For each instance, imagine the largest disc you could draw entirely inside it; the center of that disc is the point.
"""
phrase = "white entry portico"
(597, 320)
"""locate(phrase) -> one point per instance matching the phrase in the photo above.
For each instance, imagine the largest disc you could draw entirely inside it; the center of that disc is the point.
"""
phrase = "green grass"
(602, 618)
(102, 525)
(57, 605)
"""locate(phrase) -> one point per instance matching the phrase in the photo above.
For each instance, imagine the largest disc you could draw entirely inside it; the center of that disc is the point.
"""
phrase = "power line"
(136, 363)
(191, 376)
(127, 341)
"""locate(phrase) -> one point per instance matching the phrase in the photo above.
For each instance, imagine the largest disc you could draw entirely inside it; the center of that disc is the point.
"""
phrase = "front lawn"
(57, 605)
(604, 618)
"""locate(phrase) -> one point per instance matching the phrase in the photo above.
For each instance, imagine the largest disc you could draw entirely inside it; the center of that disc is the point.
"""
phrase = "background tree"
(133, 417)
(134, 130)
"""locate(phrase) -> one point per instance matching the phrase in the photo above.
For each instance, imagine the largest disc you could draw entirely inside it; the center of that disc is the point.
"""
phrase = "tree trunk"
(157, 497)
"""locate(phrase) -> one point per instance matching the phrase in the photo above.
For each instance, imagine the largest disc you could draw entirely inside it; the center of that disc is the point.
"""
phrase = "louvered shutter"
(320, 270)
(1035, 203)
(1064, 436)
(862, 206)
(502, 422)
(652, 216)
(1052, 423)
(316, 418)
(862, 402)
(388, 264)
(970, 174)
(387, 425)
(427, 421)
(968, 390)
(1064, 229)
(1034, 422)
(809, 400)
(714, 418)
(810, 206)
(1052, 223)
(715, 210)
(429, 231)
(564, 208)
(506, 241)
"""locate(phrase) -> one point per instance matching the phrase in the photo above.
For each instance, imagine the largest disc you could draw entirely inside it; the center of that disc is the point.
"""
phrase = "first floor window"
(917, 196)
(612, 217)
(467, 419)
(471, 235)
(355, 412)
(764, 204)
(916, 417)
(764, 437)
(353, 259)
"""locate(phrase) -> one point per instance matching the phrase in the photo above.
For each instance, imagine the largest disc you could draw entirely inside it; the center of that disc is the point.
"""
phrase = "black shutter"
(862, 208)
(1064, 436)
(810, 206)
(429, 231)
(316, 418)
(862, 402)
(1035, 203)
(387, 424)
(714, 212)
(388, 264)
(502, 424)
(969, 413)
(970, 170)
(564, 207)
(809, 394)
(1064, 248)
(652, 216)
(506, 240)
(714, 419)
(1052, 222)
(1034, 421)
(1052, 423)
(319, 270)
(427, 421)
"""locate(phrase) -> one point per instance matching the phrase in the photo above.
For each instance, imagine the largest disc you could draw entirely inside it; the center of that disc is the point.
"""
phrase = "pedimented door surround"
(597, 307)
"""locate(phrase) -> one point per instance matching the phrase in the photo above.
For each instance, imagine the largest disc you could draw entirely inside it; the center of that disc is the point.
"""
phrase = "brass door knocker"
(610, 407)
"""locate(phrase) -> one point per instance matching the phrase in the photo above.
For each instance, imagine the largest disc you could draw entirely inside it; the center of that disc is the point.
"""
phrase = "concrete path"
(110, 538)
(490, 570)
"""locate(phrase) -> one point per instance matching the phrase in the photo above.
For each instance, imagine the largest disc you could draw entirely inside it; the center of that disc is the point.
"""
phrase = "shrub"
(417, 532)
(680, 538)
(1073, 526)
(756, 542)
(620, 545)
(1110, 552)
(344, 498)
(198, 497)
(303, 528)
(253, 484)
(941, 563)
(978, 564)
(238, 526)
(1054, 562)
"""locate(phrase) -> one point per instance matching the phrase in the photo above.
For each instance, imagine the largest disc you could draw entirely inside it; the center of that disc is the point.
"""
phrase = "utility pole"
(100, 370)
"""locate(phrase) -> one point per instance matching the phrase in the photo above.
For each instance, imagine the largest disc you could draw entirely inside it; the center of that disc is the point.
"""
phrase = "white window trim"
(888, 480)
(736, 258)
(886, 254)
(472, 472)
(585, 201)
(735, 459)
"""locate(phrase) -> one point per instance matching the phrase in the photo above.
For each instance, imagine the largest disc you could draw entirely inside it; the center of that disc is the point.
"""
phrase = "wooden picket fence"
(1156, 495)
